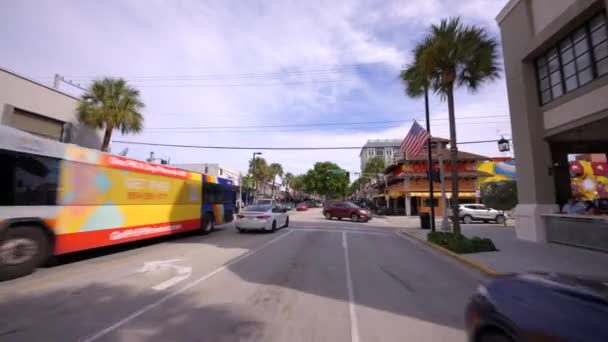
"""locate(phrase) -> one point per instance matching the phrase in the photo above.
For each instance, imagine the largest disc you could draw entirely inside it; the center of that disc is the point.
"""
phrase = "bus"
(58, 198)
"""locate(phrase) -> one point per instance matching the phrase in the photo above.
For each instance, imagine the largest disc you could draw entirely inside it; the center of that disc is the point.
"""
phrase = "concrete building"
(35, 108)
(385, 148)
(556, 68)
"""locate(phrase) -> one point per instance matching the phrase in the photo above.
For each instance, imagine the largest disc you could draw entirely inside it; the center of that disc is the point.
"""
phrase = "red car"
(302, 207)
(346, 210)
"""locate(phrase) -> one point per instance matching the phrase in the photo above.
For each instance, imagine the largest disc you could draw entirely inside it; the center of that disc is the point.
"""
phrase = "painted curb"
(484, 269)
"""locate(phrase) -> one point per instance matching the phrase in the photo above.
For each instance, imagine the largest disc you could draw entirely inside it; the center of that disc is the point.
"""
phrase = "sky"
(298, 65)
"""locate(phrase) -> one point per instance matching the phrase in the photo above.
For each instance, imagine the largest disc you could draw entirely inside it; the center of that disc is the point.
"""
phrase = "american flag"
(414, 140)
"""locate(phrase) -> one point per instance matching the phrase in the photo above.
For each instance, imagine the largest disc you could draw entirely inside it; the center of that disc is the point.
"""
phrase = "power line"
(318, 129)
(324, 123)
(287, 71)
(231, 85)
(270, 148)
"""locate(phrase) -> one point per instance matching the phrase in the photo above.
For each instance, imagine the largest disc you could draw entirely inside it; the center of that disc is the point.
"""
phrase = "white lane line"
(170, 295)
(354, 325)
(332, 230)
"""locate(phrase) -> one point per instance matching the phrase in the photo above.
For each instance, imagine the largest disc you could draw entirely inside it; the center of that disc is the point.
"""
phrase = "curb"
(482, 268)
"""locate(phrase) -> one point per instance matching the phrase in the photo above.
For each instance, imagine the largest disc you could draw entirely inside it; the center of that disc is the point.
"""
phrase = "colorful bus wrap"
(59, 198)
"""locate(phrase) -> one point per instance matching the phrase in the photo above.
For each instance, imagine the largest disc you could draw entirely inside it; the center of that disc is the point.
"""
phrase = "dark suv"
(346, 210)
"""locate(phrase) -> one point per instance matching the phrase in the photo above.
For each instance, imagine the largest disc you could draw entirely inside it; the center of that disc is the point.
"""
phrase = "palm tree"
(276, 169)
(452, 55)
(110, 104)
(288, 179)
(260, 172)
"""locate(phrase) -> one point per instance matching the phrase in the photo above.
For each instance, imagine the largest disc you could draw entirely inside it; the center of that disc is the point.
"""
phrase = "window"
(370, 152)
(389, 151)
(575, 61)
(28, 179)
(214, 193)
(379, 152)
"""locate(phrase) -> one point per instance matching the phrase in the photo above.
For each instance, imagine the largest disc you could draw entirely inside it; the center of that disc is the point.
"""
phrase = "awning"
(448, 194)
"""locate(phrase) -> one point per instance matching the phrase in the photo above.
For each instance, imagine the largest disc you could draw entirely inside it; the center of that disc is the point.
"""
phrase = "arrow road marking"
(183, 272)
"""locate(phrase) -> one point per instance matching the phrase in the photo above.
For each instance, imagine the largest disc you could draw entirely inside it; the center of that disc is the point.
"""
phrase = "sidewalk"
(516, 255)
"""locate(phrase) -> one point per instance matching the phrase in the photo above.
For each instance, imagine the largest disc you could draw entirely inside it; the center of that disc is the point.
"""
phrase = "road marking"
(170, 295)
(337, 230)
(354, 325)
(183, 272)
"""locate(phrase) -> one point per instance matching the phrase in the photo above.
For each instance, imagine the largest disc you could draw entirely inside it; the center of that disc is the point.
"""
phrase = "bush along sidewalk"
(461, 244)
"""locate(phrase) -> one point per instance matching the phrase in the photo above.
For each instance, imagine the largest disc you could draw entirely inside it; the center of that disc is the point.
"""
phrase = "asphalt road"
(318, 280)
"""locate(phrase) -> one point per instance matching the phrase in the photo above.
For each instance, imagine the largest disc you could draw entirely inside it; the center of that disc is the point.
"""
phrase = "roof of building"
(37, 83)
(373, 143)
(444, 154)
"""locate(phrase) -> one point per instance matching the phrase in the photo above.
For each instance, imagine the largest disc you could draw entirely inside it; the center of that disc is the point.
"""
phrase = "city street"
(318, 280)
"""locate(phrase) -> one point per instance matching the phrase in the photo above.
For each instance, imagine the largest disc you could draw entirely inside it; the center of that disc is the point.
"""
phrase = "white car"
(478, 212)
(261, 217)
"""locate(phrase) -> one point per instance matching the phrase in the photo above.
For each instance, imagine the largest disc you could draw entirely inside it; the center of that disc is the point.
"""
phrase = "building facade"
(556, 68)
(408, 182)
(385, 148)
(37, 109)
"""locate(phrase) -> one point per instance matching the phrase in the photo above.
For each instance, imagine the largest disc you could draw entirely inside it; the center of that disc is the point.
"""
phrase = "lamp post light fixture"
(503, 145)
(255, 181)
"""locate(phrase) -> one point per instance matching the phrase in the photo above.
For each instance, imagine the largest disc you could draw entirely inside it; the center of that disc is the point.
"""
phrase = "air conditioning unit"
(67, 134)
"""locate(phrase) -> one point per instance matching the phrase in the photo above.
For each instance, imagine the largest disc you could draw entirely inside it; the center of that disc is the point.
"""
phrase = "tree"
(261, 171)
(275, 169)
(452, 55)
(326, 178)
(111, 104)
(288, 179)
(374, 166)
(499, 195)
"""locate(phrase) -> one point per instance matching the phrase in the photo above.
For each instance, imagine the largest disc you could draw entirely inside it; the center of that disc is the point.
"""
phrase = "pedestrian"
(573, 207)
(590, 208)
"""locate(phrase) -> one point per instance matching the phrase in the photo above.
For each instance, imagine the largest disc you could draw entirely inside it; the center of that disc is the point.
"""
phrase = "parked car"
(539, 307)
(302, 207)
(349, 210)
(261, 217)
(268, 201)
(478, 212)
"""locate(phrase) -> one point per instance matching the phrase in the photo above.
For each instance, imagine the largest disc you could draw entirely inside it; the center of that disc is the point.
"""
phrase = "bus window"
(28, 179)
(213, 193)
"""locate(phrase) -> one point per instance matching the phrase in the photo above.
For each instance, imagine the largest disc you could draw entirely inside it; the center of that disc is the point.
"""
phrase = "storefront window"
(589, 176)
(576, 60)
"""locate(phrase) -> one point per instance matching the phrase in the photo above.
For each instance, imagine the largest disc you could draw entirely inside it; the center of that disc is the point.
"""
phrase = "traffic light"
(348, 175)
(221, 172)
(206, 169)
(435, 175)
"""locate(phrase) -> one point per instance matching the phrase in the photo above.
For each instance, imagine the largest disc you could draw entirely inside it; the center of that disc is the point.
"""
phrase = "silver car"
(261, 217)
(478, 212)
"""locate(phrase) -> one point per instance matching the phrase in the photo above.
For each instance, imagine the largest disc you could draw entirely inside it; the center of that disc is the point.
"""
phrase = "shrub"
(461, 244)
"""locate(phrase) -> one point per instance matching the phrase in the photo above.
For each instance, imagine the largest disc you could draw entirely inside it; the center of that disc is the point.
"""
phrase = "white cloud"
(215, 37)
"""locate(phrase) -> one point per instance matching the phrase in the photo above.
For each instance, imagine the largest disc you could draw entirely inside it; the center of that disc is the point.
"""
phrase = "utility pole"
(429, 158)
(255, 181)
(57, 81)
(444, 208)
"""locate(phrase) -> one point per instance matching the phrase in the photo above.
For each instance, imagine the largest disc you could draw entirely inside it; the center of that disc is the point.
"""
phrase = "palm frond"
(113, 103)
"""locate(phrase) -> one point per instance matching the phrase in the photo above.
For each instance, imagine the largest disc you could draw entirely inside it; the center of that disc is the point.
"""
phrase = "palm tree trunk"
(106, 138)
(454, 160)
(272, 187)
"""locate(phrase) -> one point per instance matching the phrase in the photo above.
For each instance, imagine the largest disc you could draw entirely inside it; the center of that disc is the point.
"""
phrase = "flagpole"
(429, 158)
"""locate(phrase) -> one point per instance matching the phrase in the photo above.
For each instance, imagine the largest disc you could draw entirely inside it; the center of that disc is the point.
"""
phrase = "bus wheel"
(23, 249)
(207, 224)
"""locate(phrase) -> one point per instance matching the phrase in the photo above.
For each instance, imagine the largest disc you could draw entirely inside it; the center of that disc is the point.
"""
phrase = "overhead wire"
(325, 124)
(271, 148)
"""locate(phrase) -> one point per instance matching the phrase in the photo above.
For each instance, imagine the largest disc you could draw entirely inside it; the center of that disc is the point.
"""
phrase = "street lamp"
(255, 181)
(503, 145)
